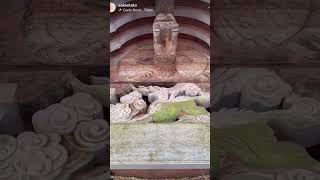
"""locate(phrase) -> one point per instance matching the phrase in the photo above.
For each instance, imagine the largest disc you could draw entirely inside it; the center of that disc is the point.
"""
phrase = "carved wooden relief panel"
(268, 32)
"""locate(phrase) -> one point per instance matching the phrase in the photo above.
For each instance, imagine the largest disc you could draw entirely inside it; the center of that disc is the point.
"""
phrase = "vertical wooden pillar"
(165, 6)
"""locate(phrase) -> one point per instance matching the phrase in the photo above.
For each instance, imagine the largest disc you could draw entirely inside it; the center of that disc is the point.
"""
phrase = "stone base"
(194, 174)
(160, 146)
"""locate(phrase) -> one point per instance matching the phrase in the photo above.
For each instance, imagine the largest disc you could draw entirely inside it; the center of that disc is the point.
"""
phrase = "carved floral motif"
(251, 96)
(89, 136)
(119, 112)
(197, 119)
(32, 155)
(131, 97)
(264, 92)
(8, 149)
(74, 123)
(138, 106)
(182, 98)
(85, 105)
(57, 118)
(306, 106)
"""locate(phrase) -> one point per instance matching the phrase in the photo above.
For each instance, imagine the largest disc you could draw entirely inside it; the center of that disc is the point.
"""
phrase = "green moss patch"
(256, 147)
(168, 112)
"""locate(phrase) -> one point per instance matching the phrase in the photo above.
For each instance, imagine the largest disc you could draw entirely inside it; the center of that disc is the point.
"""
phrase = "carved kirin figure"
(165, 35)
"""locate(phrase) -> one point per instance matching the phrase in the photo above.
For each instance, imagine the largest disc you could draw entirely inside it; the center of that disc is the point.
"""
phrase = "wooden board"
(160, 146)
